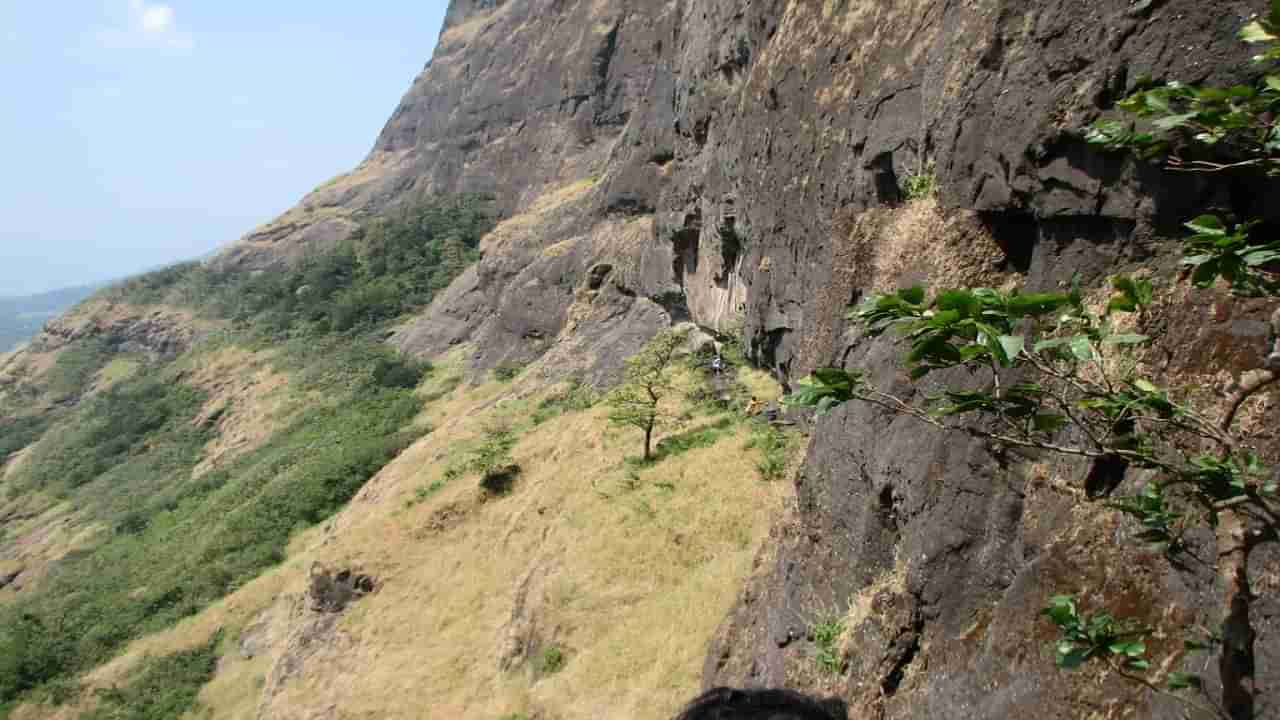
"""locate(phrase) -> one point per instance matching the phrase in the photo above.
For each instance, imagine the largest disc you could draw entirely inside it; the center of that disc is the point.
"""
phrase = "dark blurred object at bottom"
(730, 704)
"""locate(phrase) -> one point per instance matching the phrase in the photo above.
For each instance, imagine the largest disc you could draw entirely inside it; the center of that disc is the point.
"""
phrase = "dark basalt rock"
(331, 592)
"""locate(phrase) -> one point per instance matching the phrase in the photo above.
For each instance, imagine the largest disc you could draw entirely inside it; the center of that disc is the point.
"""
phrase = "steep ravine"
(737, 164)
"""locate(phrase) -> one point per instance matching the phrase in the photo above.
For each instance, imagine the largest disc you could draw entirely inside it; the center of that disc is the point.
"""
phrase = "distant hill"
(22, 317)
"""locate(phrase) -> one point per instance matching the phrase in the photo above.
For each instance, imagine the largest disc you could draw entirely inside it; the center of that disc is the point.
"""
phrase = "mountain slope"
(742, 166)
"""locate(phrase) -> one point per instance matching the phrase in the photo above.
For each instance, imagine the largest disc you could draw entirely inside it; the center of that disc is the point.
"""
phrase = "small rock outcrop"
(331, 591)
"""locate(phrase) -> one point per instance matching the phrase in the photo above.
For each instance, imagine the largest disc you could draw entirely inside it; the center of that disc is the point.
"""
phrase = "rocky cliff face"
(730, 162)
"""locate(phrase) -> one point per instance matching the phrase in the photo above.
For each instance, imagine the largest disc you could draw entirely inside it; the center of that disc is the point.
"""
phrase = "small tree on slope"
(637, 401)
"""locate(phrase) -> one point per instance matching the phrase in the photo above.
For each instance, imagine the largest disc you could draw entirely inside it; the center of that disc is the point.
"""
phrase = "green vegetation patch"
(700, 437)
(73, 371)
(164, 688)
(387, 269)
(124, 459)
(826, 636)
(775, 448)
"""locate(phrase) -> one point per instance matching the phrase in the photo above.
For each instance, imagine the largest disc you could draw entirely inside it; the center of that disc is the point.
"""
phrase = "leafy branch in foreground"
(1076, 372)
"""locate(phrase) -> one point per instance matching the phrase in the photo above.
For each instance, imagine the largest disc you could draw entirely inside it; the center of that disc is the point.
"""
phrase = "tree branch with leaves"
(648, 379)
(1055, 377)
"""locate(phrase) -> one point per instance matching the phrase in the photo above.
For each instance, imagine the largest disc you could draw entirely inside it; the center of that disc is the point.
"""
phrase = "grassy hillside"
(22, 317)
(587, 588)
(143, 490)
(165, 518)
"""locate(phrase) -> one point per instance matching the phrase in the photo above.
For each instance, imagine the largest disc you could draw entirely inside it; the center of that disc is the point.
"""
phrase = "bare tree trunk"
(1235, 665)
(648, 437)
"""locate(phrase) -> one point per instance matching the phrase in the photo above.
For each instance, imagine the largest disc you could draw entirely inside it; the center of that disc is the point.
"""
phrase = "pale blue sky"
(136, 133)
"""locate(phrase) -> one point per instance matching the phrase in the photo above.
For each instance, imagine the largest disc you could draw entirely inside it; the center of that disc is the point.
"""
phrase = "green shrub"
(164, 688)
(103, 434)
(774, 446)
(18, 433)
(919, 185)
(1099, 635)
(508, 371)
(826, 636)
(492, 460)
(550, 661)
(73, 371)
(702, 437)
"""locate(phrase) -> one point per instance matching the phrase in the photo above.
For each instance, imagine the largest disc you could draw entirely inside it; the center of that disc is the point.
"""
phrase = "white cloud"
(157, 19)
(149, 26)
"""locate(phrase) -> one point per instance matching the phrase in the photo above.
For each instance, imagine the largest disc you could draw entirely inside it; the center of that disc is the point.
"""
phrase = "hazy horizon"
(149, 133)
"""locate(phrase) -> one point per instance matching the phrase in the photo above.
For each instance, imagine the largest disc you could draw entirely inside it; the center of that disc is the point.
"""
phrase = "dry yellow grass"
(631, 585)
(631, 581)
(518, 227)
(248, 398)
(49, 530)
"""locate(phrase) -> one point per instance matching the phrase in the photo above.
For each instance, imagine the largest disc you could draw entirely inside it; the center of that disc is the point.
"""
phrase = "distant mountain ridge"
(21, 317)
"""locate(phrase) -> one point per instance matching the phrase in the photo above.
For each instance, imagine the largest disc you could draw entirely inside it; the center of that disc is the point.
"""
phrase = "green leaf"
(1183, 681)
(1048, 422)
(1205, 274)
(1131, 648)
(1144, 291)
(1062, 610)
(961, 301)
(1273, 82)
(1260, 257)
(1170, 122)
(1081, 348)
(834, 377)
(1208, 225)
(913, 295)
(1013, 345)
(1145, 385)
(1122, 303)
(1125, 339)
(1255, 32)
(1036, 304)
(1139, 664)
(1050, 344)
(937, 350)
(1072, 659)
